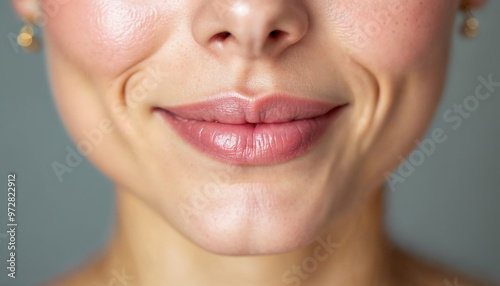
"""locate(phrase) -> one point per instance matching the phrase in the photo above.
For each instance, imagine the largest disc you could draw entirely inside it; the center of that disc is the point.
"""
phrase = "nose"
(250, 28)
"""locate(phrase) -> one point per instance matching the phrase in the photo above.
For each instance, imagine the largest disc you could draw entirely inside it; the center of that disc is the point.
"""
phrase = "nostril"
(221, 37)
(276, 34)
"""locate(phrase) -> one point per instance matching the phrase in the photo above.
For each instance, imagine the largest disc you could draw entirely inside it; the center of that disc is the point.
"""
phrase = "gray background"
(446, 211)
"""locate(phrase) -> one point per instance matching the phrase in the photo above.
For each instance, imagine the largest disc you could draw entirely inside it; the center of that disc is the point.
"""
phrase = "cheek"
(395, 34)
(106, 37)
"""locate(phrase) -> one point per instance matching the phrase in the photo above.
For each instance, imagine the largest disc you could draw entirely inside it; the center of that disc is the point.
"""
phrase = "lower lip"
(252, 144)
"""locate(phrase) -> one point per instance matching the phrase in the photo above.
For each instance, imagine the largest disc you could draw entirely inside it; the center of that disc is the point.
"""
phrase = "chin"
(254, 219)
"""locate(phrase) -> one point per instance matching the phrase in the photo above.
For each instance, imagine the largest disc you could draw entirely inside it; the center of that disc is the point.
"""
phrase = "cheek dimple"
(107, 36)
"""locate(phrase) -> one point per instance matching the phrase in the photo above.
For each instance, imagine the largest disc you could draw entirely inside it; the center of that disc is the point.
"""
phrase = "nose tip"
(250, 28)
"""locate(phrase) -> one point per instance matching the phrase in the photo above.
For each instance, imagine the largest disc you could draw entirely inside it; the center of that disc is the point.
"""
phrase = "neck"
(146, 250)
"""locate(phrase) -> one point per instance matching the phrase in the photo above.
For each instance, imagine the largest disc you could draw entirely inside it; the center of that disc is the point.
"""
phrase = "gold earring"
(27, 38)
(470, 26)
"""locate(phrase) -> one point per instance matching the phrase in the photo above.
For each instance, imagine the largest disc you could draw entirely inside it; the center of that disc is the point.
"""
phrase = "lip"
(260, 131)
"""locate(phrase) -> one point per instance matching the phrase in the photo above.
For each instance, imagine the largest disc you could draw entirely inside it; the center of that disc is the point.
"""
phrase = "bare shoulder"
(411, 271)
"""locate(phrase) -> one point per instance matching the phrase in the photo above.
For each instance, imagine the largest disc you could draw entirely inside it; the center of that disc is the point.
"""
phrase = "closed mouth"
(263, 131)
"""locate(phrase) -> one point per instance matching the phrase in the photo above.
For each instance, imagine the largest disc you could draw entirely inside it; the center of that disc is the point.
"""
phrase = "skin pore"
(187, 219)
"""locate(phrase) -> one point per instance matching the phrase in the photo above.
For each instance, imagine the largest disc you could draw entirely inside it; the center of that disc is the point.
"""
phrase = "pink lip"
(264, 131)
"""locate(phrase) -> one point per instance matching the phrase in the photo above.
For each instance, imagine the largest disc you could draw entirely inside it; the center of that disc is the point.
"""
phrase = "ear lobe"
(26, 9)
(474, 4)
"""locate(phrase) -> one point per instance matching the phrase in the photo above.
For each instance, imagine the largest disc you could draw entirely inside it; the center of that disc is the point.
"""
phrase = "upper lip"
(234, 108)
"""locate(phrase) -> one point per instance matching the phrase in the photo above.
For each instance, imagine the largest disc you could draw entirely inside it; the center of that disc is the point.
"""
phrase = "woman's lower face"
(249, 164)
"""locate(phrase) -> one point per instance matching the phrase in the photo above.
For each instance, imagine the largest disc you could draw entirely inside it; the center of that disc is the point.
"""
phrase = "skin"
(181, 212)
